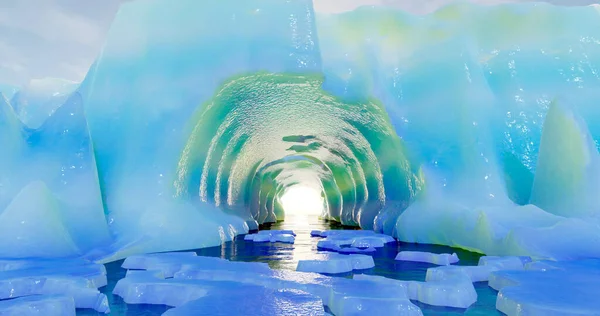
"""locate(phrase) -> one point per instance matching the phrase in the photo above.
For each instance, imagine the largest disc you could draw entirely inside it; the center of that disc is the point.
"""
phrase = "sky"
(61, 38)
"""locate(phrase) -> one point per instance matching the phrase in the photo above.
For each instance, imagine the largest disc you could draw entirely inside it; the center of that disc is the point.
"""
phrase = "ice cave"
(266, 157)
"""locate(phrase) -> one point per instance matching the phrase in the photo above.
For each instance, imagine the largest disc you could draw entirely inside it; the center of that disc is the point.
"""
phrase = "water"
(286, 256)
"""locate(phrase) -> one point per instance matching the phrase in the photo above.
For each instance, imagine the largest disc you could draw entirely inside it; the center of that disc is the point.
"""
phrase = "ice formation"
(455, 128)
(443, 259)
(336, 263)
(51, 286)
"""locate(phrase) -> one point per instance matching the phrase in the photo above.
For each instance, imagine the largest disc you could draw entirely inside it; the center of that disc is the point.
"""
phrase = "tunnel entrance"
(270, 145)
(302, 200)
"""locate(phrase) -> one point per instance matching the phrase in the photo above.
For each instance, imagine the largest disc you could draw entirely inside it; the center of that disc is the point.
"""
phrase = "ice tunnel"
(189, 130)
(262, 134)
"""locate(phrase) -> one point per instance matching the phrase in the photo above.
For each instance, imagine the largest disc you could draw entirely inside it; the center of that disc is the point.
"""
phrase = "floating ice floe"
(38, 305)
(336, 263)
(479, 273)
(549, 288)
(170, 263)
(203, 285)
(76, 279)
(452, 286)
(283, 236)
(351, 241)
(444, 259)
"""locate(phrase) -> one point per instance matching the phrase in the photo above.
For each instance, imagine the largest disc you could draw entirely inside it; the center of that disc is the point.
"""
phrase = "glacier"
(471, 127)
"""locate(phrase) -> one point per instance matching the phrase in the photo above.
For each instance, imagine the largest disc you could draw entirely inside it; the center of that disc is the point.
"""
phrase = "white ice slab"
(38, 305)
(336, 263)
(444, 259)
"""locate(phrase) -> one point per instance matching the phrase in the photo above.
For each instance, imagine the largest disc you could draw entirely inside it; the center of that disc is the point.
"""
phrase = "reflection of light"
(302, 200)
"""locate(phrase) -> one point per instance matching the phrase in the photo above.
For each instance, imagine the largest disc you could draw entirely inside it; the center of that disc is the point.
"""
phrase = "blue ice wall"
(468, 85)
(161, 61)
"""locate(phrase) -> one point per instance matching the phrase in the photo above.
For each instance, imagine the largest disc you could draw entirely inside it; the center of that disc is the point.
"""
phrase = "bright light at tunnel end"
(302, 200)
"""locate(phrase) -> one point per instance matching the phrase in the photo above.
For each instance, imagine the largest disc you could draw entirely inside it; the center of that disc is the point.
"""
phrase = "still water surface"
(286, 256)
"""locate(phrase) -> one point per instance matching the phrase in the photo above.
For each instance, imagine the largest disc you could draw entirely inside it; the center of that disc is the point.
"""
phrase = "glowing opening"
(302, 200)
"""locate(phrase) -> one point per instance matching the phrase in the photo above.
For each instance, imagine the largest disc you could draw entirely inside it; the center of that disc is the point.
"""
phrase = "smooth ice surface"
(243, 299)
(74, 278)
(478, 273)
(40, 98)
(376, 298)
(336, 263)
(351, 242)
(38, 305)
(549, 288)
(567, 177)
(443, 259)
(32, 225)
(453, 291)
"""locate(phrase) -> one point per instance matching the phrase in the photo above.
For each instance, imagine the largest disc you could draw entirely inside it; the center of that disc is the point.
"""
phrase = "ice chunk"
(366, 297)
(38, 305)
(562, 288)
(272, 236)
(566, 178)
(350, 250)
(33, 226)
(455, 290)
(354, 241)
(74, 278)
(171, 263)
(315, 233)
(244, 299)
(478, 273)
(336, 263)
(443, 259)
(277, 232)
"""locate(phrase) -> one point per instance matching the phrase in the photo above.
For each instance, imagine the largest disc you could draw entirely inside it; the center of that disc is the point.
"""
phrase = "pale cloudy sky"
(61, 38)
